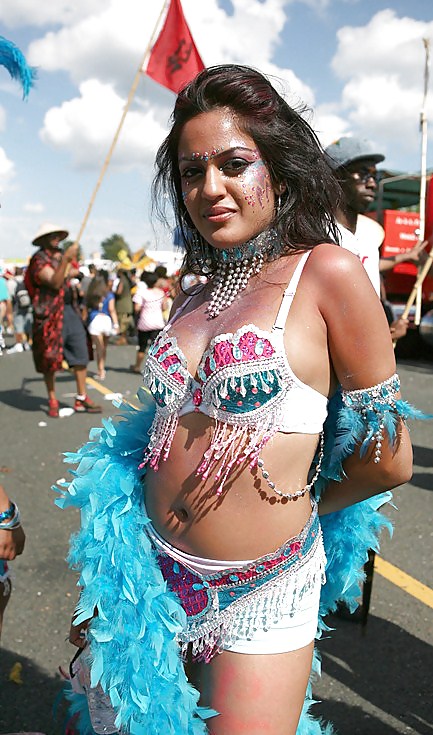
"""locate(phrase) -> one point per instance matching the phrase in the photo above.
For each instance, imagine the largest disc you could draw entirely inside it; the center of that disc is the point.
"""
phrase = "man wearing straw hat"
(58, 331)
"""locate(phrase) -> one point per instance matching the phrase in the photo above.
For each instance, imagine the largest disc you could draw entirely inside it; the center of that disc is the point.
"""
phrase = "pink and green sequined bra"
(244, 382)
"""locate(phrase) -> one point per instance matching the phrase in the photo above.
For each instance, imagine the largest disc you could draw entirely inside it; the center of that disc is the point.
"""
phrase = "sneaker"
(18, 347)
(53, 409)
(85, 405)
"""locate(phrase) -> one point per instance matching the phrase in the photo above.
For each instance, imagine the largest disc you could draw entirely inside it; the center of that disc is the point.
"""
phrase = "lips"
(218, 214)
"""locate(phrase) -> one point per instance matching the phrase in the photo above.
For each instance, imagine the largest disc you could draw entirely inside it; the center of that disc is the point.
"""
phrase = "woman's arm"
(362, 356)
(113, 313)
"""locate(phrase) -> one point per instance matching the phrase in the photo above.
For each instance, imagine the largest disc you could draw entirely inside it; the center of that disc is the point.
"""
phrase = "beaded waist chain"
(224, 606)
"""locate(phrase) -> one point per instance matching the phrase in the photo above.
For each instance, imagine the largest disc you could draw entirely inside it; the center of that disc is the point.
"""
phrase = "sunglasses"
(364, 175)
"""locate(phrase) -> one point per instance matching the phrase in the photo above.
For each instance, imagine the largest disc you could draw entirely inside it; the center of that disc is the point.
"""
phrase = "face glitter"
(256, 184)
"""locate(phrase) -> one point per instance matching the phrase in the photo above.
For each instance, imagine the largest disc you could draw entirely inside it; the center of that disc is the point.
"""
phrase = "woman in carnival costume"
(200, 538)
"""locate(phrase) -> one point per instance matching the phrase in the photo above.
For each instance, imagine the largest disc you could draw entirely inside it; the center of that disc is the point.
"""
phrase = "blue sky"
(358, 64)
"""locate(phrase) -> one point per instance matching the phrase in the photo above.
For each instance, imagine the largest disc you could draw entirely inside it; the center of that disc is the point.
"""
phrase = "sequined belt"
(259, 590)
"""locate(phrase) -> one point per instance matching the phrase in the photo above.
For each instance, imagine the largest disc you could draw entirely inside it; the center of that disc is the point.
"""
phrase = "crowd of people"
(66, 313)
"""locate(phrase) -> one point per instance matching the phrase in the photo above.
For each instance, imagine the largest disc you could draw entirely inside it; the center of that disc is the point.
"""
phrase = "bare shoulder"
(358, 335)
(331, 261)
(336, 271)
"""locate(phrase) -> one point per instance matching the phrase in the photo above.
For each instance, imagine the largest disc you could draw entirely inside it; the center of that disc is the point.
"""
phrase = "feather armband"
(361, 417)
(356, 418)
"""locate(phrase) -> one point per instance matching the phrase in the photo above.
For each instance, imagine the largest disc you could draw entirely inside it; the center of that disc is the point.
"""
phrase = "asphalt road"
(376, 683)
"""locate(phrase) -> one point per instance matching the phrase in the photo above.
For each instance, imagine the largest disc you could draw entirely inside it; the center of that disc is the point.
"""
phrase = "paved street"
(378, 683)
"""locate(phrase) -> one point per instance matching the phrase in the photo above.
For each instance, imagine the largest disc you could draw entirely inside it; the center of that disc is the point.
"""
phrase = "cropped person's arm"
(415, 255)
(11, 540)
(362, 356)
(113, 313)
(54, 278)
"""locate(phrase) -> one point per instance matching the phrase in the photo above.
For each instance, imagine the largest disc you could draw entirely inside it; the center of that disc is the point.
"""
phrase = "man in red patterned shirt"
(58, 331)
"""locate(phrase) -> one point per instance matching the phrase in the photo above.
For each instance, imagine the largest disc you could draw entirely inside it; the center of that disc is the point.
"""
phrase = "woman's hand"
(11, 543)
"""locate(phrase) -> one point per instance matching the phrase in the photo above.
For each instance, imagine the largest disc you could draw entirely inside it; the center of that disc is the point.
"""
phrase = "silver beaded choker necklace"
(235, 268)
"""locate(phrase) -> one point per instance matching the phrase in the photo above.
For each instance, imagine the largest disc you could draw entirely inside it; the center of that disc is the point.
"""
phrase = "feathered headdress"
(14, 61)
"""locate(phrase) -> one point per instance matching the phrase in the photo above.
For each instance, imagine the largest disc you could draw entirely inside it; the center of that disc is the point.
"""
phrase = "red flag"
(174, 60)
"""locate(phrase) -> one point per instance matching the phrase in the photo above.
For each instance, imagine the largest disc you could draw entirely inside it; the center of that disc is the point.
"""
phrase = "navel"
(181, 514)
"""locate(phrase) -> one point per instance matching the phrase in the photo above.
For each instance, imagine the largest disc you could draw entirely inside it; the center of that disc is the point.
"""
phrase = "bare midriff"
(248, 519)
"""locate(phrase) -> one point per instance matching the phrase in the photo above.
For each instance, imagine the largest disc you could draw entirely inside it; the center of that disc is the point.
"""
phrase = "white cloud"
(86, 125)
(17, 233)
(386, 43)
(107, 43)
(379, 105)
(382, 64)
(28, 12)
(2, 119)
(328, 124)
(7, 168)
(34, 208)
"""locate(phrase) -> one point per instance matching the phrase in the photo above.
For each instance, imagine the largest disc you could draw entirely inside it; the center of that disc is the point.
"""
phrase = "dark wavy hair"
(287, 145)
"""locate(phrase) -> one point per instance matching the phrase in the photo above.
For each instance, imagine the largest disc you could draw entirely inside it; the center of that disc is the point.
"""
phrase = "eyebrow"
(215, 153)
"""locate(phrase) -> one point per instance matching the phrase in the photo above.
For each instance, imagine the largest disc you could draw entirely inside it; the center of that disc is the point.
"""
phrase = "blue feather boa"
(14, 61)
(133, 639)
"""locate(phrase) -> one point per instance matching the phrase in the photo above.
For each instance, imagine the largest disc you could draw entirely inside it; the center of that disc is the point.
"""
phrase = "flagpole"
(120, 125)
(416, 293)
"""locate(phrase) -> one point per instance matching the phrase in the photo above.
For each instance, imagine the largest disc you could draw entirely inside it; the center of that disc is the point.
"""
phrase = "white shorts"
(297, 599)
(101, 325)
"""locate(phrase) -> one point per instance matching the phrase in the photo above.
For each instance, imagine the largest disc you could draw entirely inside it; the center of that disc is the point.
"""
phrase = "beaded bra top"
(244, 382)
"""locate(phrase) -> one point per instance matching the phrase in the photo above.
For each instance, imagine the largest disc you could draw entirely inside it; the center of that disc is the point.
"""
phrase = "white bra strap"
(289, 293)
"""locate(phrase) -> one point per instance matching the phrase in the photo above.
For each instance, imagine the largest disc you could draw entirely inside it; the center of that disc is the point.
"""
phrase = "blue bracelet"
(14, 522)
(6, 515)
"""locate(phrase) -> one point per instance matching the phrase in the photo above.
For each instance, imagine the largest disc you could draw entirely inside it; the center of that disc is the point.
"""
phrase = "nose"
(213, 183)
(370, 181)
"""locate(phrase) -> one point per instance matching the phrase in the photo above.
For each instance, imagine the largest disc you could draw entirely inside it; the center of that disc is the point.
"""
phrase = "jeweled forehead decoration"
(208, 155)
